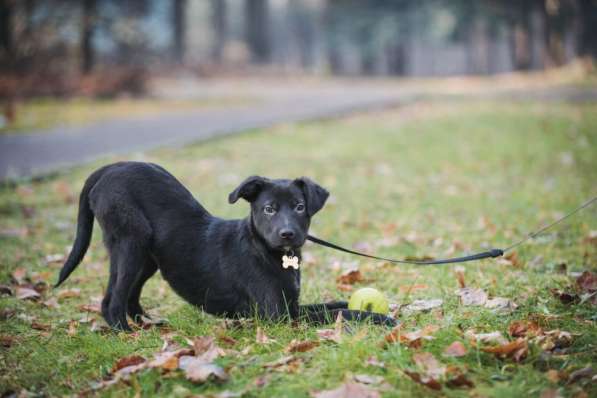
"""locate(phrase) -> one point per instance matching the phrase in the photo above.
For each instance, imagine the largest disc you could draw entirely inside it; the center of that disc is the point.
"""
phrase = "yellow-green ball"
(369, 299)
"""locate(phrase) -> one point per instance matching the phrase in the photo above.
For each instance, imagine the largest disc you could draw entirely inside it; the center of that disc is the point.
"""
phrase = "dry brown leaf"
(348, 389)
(430, 366)
(25, 293)
(427, 382)
(289, 364)
(72, 328)
(19, 275)
(524, 329)
(206, 349)
(517, 350)
(199, 371)
(487, 338)
(554, 339)
(587, 282)
(350, 277)
(373, 361)
(501, 305)
(52, 302)
(280, 362)
(412, 339)
(68, 293)
(457, 378)
(335, 334)
(344, 287)
(422, 305)
(6, 341)
(459, 271)
(128, 361)
(472, 296)
(456, 349)
(368, 379)
(164, 360)
(261, 337)
(95, 308)
(301, 346)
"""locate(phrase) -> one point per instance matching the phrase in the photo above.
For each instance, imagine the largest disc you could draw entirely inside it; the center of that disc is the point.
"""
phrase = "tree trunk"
(219, 27)
(179, 27)
(88, 29)
(6, 36)
(257, 29)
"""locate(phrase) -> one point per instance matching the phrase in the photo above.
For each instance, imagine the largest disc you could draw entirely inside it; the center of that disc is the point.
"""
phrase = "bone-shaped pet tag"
(292, 261)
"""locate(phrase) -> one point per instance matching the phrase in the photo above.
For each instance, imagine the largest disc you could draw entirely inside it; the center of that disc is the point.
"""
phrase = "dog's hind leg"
(109, 288)
(134, 308)
(130, 261)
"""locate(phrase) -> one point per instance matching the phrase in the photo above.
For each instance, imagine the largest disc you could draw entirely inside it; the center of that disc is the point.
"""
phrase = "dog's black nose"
(286, 234)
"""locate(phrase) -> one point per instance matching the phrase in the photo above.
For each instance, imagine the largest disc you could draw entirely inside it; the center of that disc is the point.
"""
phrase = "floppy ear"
(248, 189)
(314, 194)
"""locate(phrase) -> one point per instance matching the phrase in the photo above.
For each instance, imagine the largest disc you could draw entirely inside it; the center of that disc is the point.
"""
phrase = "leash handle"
(479, 256)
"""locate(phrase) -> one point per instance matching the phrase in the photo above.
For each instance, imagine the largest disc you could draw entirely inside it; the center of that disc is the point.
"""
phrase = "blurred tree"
(6, 35)
(257, 30)
(179, 29)
(88, 21)
(219, 28)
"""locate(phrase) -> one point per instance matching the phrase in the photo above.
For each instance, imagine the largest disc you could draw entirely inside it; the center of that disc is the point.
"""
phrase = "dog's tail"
(84, 228)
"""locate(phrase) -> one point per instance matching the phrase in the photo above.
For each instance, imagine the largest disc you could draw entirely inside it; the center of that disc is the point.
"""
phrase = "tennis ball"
(369, 299)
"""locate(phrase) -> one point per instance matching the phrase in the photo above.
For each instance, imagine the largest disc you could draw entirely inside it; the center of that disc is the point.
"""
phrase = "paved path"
(34, 154)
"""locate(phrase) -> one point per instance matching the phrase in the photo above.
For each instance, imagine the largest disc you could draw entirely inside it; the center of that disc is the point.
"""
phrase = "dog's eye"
(300, 208)
(269, 210)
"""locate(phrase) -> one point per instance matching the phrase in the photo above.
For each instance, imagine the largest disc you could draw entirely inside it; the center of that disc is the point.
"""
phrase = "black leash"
(479, 256)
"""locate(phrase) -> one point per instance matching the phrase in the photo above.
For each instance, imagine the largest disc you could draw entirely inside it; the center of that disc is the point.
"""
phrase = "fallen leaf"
(72, 328)
(429, 365)
(524, 329)
(350, 277)
(206, 350)
(54, 258)
(19, 275)
(517, 350)
(24, 293)
(335, 334)
(344, 287)
(553, 375)
(591, 238)
(52, 302)
(457, 378)
(128, 361)
(422, 305)
(6, 341)
(459, 271)
(472, 296)
(280, 362)
(512, 257)
(501, 304)
(164, 360)
(550, 393)
(565, 297)
(301, 346)
(368, 379)
(348, 389)
(456, 349)
(5, 290)
(553, 339)
(373, 361)
(92, 307)
(587, 282)
(427, 382)
(40, 326)
(68, 293)
(487, 338)
(580, 374)
(412, 339)
(261, 337)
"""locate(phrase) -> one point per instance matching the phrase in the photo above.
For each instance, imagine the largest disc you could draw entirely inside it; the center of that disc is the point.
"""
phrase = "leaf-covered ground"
(430, 179)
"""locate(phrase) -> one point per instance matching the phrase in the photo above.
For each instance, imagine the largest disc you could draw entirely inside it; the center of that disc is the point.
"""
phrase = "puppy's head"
(281, 210)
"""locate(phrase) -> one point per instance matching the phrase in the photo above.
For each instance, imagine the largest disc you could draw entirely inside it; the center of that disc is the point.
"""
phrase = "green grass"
(43, 113)
(434, 170)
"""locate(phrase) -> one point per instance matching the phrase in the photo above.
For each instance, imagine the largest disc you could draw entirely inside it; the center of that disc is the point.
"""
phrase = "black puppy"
(150, 221)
